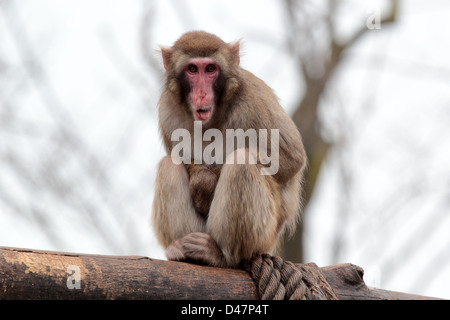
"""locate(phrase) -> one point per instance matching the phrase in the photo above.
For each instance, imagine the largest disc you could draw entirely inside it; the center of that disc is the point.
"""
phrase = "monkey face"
(201, 75)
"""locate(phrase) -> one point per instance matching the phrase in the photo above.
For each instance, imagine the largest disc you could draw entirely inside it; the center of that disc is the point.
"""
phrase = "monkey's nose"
(201, 100)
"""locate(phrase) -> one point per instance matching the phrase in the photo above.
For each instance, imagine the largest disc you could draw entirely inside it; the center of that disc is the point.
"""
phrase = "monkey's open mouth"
(203, 113)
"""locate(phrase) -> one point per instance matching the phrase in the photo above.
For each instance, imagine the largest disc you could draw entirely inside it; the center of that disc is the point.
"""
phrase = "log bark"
(35, 274)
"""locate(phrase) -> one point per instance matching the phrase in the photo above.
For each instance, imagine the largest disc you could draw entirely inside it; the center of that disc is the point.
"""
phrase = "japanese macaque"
(220, 211)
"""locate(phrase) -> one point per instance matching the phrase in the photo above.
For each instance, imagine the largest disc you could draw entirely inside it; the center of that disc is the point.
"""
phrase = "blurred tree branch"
(318, 55)
(43, 175)
(146, 26)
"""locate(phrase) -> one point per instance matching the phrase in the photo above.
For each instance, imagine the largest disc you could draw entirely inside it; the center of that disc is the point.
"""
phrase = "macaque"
(220, 211)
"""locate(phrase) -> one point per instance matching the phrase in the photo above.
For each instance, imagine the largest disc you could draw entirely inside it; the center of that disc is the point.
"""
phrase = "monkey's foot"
(197, 247)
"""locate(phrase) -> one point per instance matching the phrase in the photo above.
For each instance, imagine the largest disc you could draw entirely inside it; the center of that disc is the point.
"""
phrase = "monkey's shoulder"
(259, 100)
(253, 82)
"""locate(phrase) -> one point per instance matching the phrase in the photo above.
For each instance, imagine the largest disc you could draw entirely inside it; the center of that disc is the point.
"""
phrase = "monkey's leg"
(245, 217)
(173, 214)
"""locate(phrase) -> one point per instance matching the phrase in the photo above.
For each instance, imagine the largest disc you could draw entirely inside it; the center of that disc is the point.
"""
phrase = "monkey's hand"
(202, 184)
(197, 247)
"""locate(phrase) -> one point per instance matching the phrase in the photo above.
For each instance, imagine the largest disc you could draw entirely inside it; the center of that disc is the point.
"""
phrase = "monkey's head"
(201, 70)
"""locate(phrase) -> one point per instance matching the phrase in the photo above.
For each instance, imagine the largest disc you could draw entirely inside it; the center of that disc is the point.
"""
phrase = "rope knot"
(276, 279)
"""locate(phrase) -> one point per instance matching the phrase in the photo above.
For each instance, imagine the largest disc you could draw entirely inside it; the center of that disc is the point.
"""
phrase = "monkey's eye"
(192, 68)
(210, 68)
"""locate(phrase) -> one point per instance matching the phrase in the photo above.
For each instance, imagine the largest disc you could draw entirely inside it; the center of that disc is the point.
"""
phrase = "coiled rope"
(276, 279)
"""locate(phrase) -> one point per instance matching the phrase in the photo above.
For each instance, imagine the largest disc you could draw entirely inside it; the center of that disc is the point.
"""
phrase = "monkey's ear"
(166, 52)
(234, 48)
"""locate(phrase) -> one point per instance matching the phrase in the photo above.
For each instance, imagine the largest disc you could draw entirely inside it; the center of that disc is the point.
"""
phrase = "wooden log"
(35, 274)
(347, 281)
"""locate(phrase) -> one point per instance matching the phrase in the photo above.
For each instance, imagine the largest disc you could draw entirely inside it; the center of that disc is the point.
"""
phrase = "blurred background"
(367, 83)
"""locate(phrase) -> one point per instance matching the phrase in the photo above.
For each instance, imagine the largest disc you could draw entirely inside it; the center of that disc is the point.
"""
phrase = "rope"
(276, 279)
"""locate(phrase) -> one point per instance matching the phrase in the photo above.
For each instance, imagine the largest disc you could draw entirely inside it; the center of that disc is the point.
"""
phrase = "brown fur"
(202, 184)
(222, 216)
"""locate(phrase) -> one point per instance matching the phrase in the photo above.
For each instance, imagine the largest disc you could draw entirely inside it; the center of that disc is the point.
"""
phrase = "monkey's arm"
(292, 156)
(265, 107)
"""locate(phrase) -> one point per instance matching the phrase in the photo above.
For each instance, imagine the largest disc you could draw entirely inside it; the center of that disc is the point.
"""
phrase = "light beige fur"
(249, 211)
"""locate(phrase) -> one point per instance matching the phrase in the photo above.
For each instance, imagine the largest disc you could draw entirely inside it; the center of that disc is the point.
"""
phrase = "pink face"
(202, 73)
